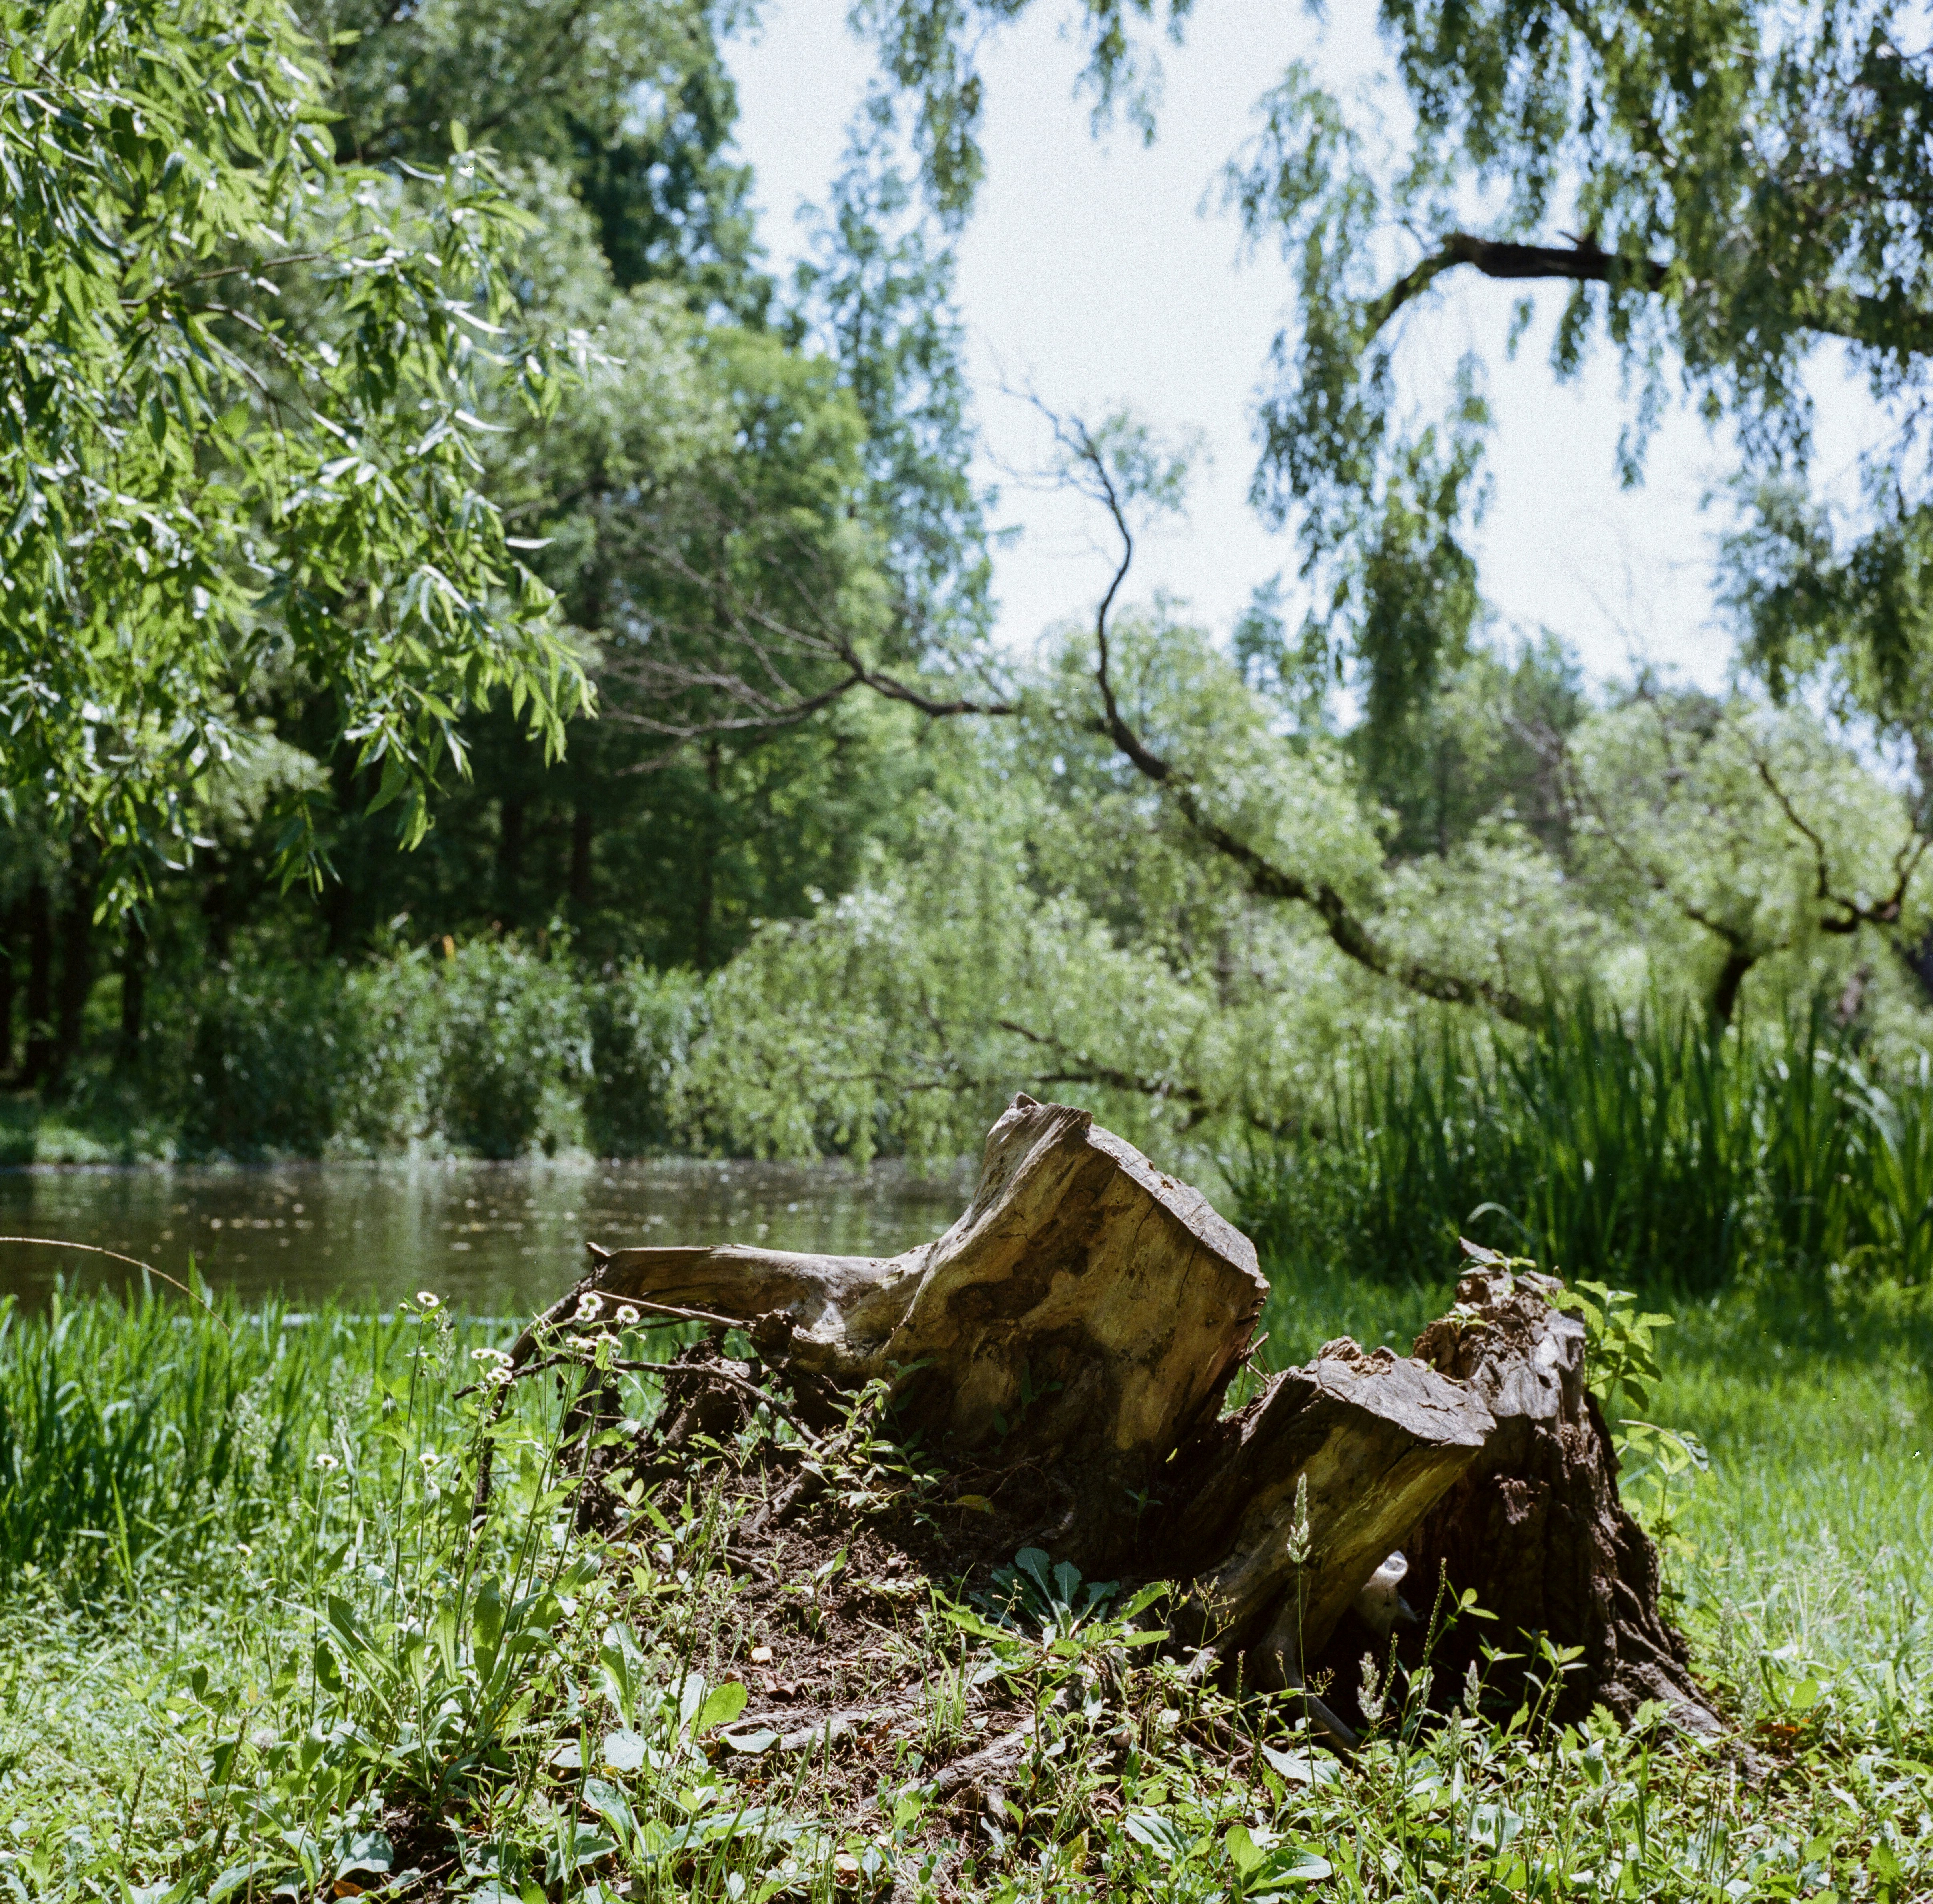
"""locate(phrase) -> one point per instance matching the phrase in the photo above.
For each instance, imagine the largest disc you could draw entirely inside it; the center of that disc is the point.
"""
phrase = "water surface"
(500, 1239)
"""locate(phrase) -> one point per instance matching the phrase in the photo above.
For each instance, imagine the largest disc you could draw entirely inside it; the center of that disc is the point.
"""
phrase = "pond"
(498, 1239)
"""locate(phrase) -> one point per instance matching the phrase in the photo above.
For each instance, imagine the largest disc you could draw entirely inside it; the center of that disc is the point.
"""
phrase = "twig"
(94, 1249)
(577, 1359)
(671, 1311)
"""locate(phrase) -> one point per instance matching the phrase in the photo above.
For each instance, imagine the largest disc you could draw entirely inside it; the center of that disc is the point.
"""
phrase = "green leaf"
(723, 1705)
(1287, 1868)
(1159, 1833)
(625, 1750)
(612, 1806)
(970, 1622)
(1242, 1848)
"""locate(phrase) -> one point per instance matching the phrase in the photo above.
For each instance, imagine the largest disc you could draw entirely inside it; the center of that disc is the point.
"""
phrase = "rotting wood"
(1534, 1526)
(1076, 1330)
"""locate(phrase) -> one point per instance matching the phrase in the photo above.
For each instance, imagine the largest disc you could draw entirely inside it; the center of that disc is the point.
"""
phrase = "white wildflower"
(1371, 1694)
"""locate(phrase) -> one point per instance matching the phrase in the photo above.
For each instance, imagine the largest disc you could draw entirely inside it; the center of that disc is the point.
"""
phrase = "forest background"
(747, 838)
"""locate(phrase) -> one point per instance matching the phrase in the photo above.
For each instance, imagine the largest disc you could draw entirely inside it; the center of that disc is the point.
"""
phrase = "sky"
(1099, 271)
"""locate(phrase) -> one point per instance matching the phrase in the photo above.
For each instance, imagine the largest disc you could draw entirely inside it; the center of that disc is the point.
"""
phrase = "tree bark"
(1080, 1325)
(10, 933)
(134, 989)
(76, 953)
(40, 984)
(1084, 1312)
(509, 858)
(1534, 1525)
(583, 823)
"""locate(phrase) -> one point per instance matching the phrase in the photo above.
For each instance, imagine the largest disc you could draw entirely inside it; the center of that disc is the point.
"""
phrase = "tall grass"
(1654, 1151)
(147, 1438)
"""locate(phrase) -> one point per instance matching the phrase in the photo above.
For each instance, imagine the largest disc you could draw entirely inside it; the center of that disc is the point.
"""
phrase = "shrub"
(486, 1051)
(274, 1048)
(643, 1025)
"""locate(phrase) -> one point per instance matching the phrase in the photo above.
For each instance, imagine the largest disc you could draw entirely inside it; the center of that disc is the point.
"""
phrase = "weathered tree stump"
(1534, 1525)
(1079, 1325)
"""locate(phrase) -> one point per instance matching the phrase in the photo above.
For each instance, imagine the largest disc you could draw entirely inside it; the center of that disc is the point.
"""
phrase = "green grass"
(243, 1613)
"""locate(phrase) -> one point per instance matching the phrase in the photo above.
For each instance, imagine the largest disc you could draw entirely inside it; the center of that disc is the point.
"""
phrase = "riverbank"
(248, 1645)
(1647, 1148)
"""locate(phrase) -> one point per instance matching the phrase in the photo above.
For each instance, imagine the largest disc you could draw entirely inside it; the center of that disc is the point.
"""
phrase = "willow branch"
(1265, 879)
(1852, 914)
(1889, 323)
(1585, 262)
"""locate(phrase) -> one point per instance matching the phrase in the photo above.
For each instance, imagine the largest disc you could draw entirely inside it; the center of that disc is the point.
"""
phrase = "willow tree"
(244, 387)
(1722, 188)
(1729, 194)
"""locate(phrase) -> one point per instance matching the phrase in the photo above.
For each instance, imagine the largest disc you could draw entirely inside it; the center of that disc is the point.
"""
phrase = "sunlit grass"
(1653, 1150)
(164, 1721)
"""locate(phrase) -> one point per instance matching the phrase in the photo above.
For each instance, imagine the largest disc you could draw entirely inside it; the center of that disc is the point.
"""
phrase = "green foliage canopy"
(243, 388)
(1732, 191)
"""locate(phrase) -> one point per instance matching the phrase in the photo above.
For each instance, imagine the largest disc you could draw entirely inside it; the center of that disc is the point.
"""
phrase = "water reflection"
(499, 1238)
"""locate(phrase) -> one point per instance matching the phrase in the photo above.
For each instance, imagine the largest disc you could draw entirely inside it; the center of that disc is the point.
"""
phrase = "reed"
(145, 1437)
(1652, 1150)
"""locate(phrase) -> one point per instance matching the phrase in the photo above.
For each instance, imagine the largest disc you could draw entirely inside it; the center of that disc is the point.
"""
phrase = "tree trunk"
(583, 823)
(134, 989)
(1534, 1526)
(10, 933)
(40, 984)
(76, 959)
(709, 836)
(1074, 1333)
(510, 859)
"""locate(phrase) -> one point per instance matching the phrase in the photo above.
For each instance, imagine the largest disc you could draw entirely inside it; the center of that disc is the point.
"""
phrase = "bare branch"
(1852, 913)
(727, 655)
(1086, 1072)
(1265, 879)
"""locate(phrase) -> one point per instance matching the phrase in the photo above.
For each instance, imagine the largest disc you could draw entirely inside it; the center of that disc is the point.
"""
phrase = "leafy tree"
(877, 293)
(1050, 919)
(242, 386)
(1733, 192)
(630, 98)
(1743, 834)
(928, 48)
(716, 479)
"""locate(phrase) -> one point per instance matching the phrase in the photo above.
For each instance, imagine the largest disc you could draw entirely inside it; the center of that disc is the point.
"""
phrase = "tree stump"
(1534, 1526)
(1076, 1330)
